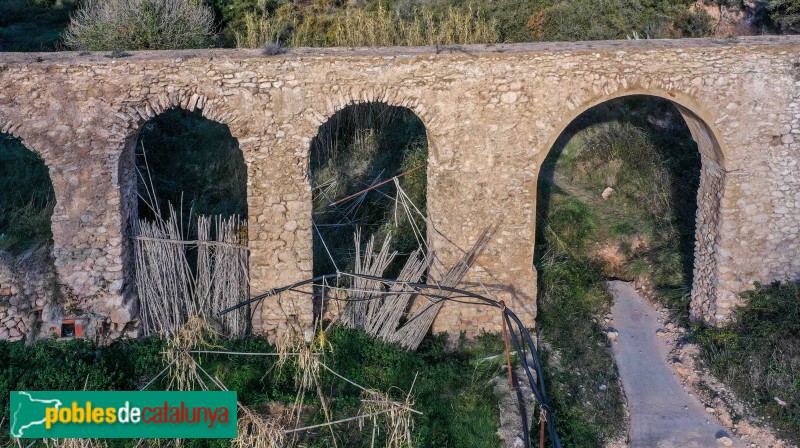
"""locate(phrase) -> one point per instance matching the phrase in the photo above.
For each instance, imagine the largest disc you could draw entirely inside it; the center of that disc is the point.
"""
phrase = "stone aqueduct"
(492, 113)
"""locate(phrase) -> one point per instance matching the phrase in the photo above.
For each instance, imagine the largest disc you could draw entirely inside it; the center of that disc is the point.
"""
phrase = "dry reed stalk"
(379, 311)
(75, 443)
(394, 417)
(360, 311)
(256, 431)
(195, 334)
(393, 307)
(410, 335)
(170, 293)
(222, 271)
(164, 281)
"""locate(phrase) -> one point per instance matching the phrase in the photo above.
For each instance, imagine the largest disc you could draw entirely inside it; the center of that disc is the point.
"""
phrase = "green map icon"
(28, 411)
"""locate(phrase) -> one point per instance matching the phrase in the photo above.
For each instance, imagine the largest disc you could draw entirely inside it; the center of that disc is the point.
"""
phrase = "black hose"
(512, 321)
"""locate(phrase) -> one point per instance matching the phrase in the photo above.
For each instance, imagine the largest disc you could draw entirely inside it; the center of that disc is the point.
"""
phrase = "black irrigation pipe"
(512, 320)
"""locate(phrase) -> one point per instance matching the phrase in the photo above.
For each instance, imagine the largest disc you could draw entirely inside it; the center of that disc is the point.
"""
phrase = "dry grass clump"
(394, 417)
(293, 346)
(74, 443)
(376, 28)
(196, 333)
(257, 431)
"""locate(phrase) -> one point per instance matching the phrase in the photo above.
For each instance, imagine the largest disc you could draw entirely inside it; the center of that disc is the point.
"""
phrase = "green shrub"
(785, 13)
(108, 25)
(758, 354)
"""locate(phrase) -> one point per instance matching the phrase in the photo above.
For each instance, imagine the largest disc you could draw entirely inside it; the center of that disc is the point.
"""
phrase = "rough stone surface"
(27, 292)
(492, 114)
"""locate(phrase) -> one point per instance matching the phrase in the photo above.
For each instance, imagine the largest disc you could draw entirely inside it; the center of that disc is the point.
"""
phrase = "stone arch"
(693, 112)
(403, 115)
(130, 119)
(335, 102)
(709, 194)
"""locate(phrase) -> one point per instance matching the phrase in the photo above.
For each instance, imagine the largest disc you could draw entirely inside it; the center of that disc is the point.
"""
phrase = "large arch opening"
(353, 156)
(184, 183)
(630, 190)
(27, 270)
(368, 174)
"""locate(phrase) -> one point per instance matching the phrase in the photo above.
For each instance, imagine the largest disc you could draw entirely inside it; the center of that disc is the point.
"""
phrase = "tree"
(786, 13)
(109, 25)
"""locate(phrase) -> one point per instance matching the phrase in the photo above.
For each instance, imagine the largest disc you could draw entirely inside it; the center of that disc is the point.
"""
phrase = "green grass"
(28, 199)
(571, 299)
(453, 389)
(758, 355)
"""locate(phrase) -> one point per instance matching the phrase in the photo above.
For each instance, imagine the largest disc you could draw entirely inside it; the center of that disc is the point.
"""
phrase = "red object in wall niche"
(72, 328)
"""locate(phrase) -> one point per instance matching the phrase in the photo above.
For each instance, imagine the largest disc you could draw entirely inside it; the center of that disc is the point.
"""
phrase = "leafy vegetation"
(641, 148)
(786, 13)
(452, 389)
(360, 146)
(758, 355)
(118, 25)
(28, 199)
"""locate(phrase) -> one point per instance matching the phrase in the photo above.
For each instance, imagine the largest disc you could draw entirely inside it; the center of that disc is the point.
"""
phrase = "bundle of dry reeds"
(257, 431)
(171, 292)
(410, 335)
(164, 280)
(379, 310)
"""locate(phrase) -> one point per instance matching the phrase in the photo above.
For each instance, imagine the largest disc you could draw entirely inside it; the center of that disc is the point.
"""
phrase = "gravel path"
(663, 413)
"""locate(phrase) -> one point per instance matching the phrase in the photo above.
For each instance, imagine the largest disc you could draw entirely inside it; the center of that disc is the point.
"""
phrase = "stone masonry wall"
(27, 291)
(492, 113)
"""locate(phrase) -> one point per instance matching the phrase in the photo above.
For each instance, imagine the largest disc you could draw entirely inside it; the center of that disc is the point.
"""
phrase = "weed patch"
(452, 389)
(758, 354)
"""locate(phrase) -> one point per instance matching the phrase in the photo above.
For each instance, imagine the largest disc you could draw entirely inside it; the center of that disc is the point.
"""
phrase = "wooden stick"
(542, 420)
(505, 339)
(377, 185)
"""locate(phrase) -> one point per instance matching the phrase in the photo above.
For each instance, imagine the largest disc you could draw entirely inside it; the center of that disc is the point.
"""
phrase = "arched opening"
(27, 272)
(187, 205)
(630, 191)
(355, 159)
(368, 174)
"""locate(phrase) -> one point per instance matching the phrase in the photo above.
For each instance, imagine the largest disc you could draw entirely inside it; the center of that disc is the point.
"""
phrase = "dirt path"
(663, 413)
